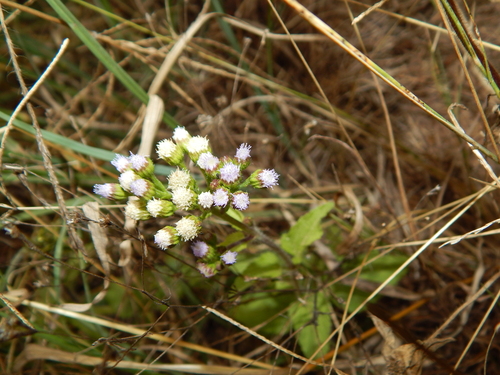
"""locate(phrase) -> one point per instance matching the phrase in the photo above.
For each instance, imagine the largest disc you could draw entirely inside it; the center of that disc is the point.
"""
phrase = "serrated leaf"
(305, 232)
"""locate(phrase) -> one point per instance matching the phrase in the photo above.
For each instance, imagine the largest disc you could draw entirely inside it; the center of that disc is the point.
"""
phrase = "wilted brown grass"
(387, 196)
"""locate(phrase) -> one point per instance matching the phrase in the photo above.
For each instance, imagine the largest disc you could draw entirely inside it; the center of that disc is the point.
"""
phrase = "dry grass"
(402, 183)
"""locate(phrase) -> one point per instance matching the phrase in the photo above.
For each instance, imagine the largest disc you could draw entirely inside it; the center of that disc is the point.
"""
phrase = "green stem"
(258, 234)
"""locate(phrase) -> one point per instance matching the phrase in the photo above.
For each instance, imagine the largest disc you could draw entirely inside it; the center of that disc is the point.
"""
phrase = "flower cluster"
(150, 198)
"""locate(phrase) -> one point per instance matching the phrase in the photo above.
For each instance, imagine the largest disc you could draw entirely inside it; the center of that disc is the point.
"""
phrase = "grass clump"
(349, 228)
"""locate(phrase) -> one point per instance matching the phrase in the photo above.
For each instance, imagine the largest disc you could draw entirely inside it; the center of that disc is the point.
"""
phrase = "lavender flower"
(110, 191)
(121, 163)
(199, 248)
(230, 173)
(243, 152)
(142, 188)
(221, 197)
(229, 257)
(266, 178)
(142, 165)
(241, 200)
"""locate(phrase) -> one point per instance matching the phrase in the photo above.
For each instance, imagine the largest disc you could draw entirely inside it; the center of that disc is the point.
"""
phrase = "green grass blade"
(103, 56)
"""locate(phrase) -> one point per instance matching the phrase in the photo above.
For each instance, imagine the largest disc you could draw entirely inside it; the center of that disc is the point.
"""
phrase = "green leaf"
(255, 308)
(312, 320)
(265, 265)
(305, 232)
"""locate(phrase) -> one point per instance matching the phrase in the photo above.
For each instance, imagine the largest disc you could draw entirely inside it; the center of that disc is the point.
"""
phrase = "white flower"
(229, 257)
(199, 248)
(187, 228)
(268, 178)
(183, 198)
(136, 210)
(221, 197)
(166, 237)
(208, 162)
(165, 148)
(180, 134)
(206, 199)
(178, 179)
(126, 179)
(243, 152)
(241, 201)
(230, 173)
(197, 145)
(160, 207)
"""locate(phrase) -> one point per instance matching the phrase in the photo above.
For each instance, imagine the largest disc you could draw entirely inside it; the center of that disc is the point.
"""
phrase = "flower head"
(199, 248)
(178, 179)
(243, 152)
(126, 179)
(197, 146)
(208, 162)
(188, 227)
(183, 198)
(166, 237)
(181, 135)
(172, 153)
(241, 200)
(136, 210)
(206, 269)
(205, 199)
(142, 188)
(230, 173)
(229, 257)
(121, 163)
(221, 197)
(142, 165)
(160, 208)
(110, 191)
(266, 178)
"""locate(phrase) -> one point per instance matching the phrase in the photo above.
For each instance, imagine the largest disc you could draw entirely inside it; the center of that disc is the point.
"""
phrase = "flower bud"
(240, 200)
(121, 163)
(136, 209)
(196, 146)
(188, 227)
(229, 257)
(110, 191)
(166, 237)
(266, 178)
(160, 208)
(172, 153)
(142, 165)
(143, 188)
